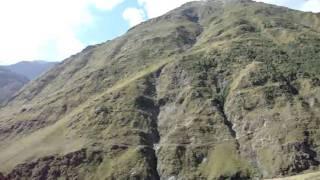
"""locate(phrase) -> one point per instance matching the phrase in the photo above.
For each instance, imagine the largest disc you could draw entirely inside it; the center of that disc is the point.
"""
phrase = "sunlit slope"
(307, 176)
(211, 90)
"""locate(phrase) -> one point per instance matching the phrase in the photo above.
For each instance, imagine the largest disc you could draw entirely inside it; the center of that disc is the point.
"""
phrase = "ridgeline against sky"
(54, 30)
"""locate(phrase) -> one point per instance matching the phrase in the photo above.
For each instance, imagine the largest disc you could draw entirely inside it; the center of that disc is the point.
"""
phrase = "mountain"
(14, 77)
(10, 83)
(30, 69)
(211, 90)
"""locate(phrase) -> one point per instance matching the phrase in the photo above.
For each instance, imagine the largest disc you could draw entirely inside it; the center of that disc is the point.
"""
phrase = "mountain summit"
(211, 90)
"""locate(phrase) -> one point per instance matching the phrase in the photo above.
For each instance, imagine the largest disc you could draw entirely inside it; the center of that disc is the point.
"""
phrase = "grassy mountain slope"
(212, 90)
(307, 176)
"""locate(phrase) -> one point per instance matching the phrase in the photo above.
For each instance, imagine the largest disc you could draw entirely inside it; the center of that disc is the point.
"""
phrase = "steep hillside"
(30, 69)
(10, 83)
(307, 176)
(212, 90)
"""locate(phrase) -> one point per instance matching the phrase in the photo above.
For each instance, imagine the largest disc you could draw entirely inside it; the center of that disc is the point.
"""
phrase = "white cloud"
(28, 27)
(303, 5)
(156, 8)
(105, 4)
(311, 5)
(134, 16)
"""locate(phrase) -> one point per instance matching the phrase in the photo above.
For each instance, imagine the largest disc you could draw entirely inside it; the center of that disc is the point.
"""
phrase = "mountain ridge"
(207, 91)
(10, 83)
(30, 69)
(15, 76)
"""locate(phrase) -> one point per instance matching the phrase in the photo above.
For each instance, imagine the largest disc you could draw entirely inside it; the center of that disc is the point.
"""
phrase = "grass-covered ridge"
(210, 90)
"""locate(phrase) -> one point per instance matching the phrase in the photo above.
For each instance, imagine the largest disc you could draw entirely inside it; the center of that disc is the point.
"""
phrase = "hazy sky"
(55, 29)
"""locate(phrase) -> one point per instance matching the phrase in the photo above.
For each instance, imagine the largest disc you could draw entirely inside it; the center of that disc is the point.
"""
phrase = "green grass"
(224, 161)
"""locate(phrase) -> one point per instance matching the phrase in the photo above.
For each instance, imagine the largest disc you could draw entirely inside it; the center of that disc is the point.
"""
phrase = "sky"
(53, 30)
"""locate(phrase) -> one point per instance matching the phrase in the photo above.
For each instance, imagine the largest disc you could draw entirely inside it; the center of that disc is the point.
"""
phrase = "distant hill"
(30, 69)
(10, 83)
(14, 77)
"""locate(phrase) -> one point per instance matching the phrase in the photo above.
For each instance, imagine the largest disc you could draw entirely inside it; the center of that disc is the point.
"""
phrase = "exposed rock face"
(212, 90)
